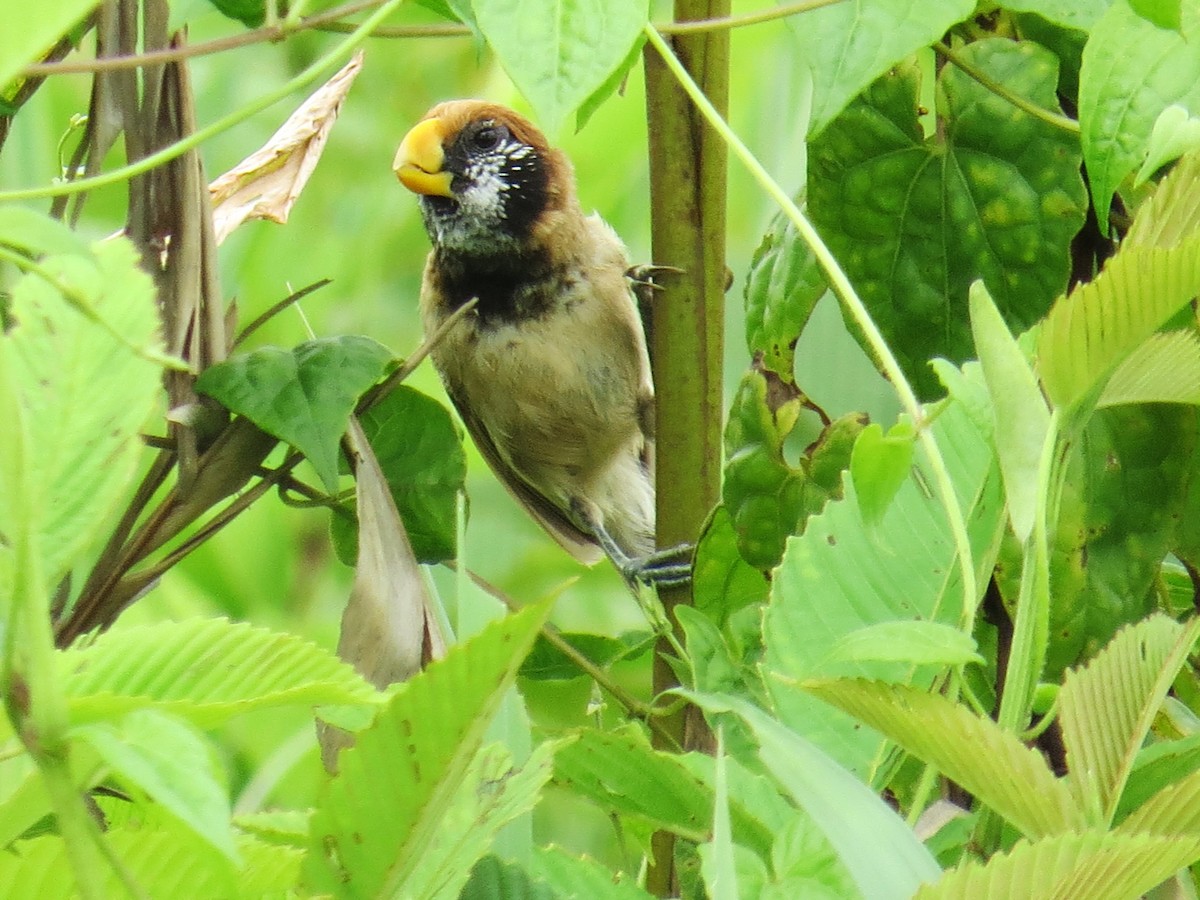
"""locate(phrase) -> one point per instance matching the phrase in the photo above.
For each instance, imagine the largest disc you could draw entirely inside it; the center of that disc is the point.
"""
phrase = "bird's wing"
(578, 543)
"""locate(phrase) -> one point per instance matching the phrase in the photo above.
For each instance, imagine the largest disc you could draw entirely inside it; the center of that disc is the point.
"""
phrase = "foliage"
(995, 589)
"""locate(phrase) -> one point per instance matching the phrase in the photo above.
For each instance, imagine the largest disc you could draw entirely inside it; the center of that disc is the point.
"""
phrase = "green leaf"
(546, 662)
(1022, 419)
(1156, 767)
(559, 53)
(1106, 708)
(1094, 865)
(302, 396)
(572, 876)
(838, 578)
(1172, 811)
(1091, 331)
(491, 794)
(420, 450)
(921, 643)
(1132, 70)
(849, 45)
(492, 878)
(879, 464)
(1175, 133)
(1165, 368)
(380, 815)
(722, 581)
(893, 862)
(1080, 14)
(37, 234)
(205, 671)
(620, 771)
(171, 763)
(83, 394)
(1163, 13)
(22, 45)
(717, 856)
(782, 289)
(768, 499)
(977, 753)
(994, 193)
(250, 13)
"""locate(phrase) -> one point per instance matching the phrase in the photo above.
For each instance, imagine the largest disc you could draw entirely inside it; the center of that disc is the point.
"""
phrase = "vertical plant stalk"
(688, 162)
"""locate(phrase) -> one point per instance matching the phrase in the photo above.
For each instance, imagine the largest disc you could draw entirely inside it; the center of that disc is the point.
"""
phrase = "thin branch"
(1038, 112)
(553, 636)
(329, 21)
(265, 35)
(377, 393)
(196, 138)
(277, 308)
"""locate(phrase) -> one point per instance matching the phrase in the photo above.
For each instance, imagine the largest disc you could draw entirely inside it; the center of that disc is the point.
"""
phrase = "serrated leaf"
(1175, 133)
(993, 194)
(559, 53)
(303, 396)
(849, 45)
(879, 464)
(1106, 708)
(1092, 865)
(1165, 368)
(1131, 71)
(574, 876)
(1022, 419)
(893, 862)
(168, 761)
(38, 234)
(205, 671)
(83, 394)
(1174, 810)
(837, 578)
(376, 819)
(782, 289)
(420, 451)
(1158, 766)
(1088, 333)
(977, 753)
(922, 643)
(492, 794)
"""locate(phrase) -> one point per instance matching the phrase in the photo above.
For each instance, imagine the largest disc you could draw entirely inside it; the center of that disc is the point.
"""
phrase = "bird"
(549, 371)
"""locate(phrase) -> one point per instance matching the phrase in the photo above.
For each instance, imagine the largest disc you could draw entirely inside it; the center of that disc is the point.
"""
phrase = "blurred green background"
(355, 225)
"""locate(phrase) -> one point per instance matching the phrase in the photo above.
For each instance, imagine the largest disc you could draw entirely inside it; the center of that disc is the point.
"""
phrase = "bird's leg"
(664, 568)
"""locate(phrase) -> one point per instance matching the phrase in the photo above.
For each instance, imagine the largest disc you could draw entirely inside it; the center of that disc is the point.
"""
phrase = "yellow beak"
(418, 162)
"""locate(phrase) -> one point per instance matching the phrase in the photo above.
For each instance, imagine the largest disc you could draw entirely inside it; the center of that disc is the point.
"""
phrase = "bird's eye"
(488, 137)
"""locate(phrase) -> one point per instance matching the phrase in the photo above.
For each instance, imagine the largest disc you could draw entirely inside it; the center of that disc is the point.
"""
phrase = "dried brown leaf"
(266, 184)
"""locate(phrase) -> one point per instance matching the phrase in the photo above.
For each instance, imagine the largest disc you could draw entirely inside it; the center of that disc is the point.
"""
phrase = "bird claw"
(669, 567)
(643, 276)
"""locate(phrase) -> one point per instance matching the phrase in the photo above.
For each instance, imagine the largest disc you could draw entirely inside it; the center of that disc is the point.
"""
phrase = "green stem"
(845, 292)
(1026, 106)
(170, 152)
(1032, 625)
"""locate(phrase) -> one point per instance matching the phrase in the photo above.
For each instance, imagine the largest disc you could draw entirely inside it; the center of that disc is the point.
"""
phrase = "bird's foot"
(668, 567)
(643, 277)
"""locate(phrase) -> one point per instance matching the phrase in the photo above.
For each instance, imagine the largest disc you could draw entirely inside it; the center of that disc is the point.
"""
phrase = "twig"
(1027, 106)
(277, 308)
